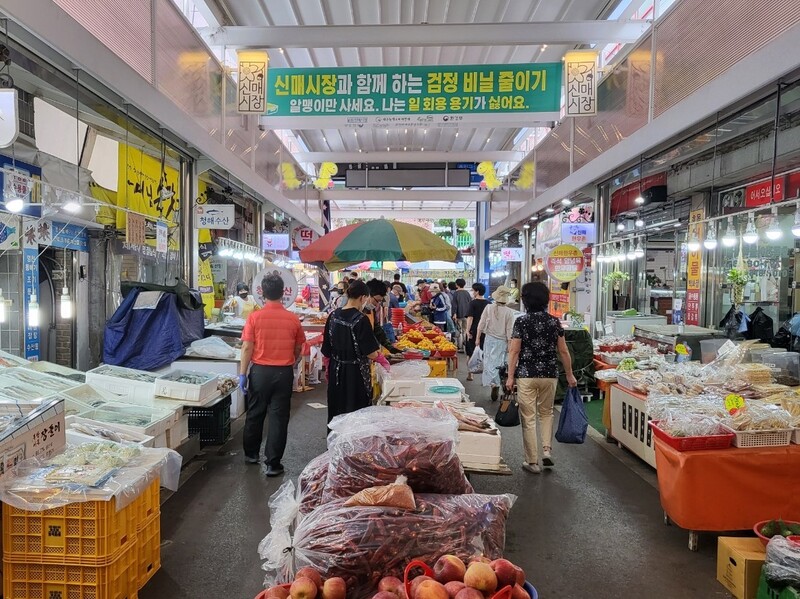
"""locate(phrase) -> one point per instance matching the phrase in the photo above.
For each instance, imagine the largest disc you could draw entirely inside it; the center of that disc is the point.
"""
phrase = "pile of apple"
(452, 579)
(308, 584)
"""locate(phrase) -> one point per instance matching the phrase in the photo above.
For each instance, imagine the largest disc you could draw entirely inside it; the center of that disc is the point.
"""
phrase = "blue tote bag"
(573, 422)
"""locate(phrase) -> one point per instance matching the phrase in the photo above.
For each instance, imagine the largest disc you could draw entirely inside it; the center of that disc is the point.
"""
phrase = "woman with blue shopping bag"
(537, 343)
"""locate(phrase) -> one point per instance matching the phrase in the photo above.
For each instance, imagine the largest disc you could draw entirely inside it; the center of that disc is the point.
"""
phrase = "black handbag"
(508, 412)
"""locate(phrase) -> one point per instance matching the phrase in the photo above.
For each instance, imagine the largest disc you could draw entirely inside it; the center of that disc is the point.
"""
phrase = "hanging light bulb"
(620, 226)
(33, 312)
(66, 304)
(729, 238)
(796, 225)
(73, 203)
(15, 205)
(2, 307)
(774, 231)
(750, 234)
(639, 200)
(600, 257)
(639, 251)
(710, 242)
(639, 222)
(693, 243)
(631, 255)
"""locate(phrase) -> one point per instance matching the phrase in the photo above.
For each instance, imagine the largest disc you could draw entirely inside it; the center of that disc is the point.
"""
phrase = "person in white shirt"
(497, 323)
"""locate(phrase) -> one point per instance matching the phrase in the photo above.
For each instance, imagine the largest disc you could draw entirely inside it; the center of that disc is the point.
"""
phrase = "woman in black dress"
(350, 345)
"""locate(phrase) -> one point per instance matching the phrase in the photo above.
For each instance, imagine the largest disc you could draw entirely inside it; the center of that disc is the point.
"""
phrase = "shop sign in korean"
(694, 271)
(214, 216)
(290, 286)
(513, 254)
(413, 96)
(580, 83)
(302, 237)
(275, 242)
(578, 233)
(135, 231)
(252, 77)
(565, 263)
(162, 237)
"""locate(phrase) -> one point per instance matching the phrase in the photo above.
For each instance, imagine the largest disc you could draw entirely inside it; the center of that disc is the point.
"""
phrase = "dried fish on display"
(129, 374)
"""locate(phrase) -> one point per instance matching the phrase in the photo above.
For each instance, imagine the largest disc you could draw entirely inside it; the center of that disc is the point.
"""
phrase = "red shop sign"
(759, 194)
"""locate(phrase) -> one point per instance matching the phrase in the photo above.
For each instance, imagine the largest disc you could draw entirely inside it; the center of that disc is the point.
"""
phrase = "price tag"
(681, 349)
(734, 403)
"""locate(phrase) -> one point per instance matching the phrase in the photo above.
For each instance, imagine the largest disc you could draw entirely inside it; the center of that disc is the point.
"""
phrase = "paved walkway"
(591, 528)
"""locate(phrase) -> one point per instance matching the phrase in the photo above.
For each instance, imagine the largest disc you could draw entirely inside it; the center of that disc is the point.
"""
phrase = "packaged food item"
(398, 494)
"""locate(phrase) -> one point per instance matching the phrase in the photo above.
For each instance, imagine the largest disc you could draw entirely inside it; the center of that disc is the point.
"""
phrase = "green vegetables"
(779, 527)
(627, 364)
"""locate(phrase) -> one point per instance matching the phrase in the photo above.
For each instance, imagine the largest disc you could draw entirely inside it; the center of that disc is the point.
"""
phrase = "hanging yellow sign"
(205, 279)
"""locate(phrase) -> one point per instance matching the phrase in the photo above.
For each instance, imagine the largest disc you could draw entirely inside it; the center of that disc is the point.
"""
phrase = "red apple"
(520, 576)
(468, 593)
(278, 592)
(303, 588)
(481, 576)
(449, 568)
(311, 574)
(505, 571)
(334, 588)
(384, 595)
(430, 589)
(480, 559)
(453, 587)
(393, 585)
(519, 593)
(415, 585)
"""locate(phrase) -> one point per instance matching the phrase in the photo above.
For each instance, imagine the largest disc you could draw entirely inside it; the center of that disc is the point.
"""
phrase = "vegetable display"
(311, 483)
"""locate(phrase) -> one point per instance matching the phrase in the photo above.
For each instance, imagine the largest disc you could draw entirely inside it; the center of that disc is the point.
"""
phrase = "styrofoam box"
(108, 378)
(479, 448)
(143, 440)
(161, 441)
(41, 434)
(179, 432)
(167, 386)
(155, 422)
(416, 387)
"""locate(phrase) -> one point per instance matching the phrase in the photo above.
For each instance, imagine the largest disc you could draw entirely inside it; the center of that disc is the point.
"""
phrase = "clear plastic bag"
(364, 544)
(782, 567)
(212, 347)
(475, 364)
(275, 548)
(311, 483)
(411, 370)
(758, 416)
(375, 445)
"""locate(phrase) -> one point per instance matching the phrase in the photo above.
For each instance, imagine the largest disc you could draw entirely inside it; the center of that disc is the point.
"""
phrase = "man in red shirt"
(272, 341)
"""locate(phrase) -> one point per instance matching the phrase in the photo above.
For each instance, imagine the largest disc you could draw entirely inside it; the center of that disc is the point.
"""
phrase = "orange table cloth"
(728, 489)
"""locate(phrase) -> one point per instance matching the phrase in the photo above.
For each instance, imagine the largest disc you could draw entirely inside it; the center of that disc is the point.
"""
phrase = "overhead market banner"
(580, 86)
(414, 96)
(565, 263)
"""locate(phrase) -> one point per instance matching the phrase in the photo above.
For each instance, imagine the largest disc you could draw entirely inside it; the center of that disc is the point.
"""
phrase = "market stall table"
(728, 489)
(625, 417)
(223, 330)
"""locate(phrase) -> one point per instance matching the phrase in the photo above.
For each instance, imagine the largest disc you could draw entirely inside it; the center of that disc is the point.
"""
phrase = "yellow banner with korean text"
(694, 270)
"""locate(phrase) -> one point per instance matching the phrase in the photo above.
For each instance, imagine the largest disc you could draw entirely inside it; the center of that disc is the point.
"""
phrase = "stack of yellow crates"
(84, 549)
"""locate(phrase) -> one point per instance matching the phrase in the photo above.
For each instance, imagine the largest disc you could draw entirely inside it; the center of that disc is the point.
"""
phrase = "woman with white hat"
(439, 307)
(497, 323)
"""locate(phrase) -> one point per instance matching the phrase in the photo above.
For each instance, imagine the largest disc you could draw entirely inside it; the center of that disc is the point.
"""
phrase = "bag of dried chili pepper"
(373, 446)
(364, 544)
(311, 483)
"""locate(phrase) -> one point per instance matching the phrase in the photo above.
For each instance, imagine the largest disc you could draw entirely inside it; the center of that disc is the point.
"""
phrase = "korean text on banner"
(513, 254)
(214, 216)
(383, 97)
(565, 263)
(580, 83)
(694, 269)
(251, 83)
(205, 279)
(135, 231)
(162, 236)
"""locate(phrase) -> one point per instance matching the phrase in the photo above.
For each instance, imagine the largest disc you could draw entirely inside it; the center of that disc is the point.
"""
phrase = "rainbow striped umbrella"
(378, 240)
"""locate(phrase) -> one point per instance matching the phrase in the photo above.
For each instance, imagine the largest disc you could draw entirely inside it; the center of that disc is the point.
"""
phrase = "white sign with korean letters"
(215, 216)
(513, 254)
(580, 83)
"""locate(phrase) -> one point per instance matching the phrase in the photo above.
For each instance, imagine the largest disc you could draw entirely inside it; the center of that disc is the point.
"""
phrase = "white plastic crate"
(135, 418)
(769, 438)
(626, 383)
(143, 440)
(133, 385)
(168, 385)
(796, 436)
(179, 432)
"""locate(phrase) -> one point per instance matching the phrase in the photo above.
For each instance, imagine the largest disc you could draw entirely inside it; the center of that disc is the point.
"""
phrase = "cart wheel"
(667, 521)
(693, 540)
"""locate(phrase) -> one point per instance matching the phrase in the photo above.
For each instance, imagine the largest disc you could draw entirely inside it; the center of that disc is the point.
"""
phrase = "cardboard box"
(479, 448)
(739, 562)
(41, 434)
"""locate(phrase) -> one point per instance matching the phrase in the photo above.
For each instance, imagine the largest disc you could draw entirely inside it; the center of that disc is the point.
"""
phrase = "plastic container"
(212, 424)
(148, 549)
(709, 349)
(148, 504)
(759, 525)
(769, 438)
(170, 386)
(721, 441)
(788, 366)
(117, 580)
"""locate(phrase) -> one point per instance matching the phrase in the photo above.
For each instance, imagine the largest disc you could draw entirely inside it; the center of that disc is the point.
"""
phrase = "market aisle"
(591, 528)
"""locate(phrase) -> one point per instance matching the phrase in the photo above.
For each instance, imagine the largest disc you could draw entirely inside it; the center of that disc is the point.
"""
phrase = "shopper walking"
(537, 341)
(439, 307)
(496, 323)
(476, 308)
(397, 281)
(272, 340)
(461, 302)
(350, 344)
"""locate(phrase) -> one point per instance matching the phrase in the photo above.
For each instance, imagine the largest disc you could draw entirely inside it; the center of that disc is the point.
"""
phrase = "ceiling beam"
(439, 34)
(409, 195)
(414, 156)
(406, 213)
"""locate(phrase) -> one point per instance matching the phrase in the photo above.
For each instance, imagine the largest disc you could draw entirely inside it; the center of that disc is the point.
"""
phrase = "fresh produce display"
(375, 445)
(627, 364)
(308, 584)
(451, 577)
(416, 340)
(104, 454)
(779, 527)
(311, 483)
(363, 545)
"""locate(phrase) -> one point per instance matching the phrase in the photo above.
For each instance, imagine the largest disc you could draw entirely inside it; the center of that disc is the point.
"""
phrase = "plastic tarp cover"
(145, 339)
(29, 488)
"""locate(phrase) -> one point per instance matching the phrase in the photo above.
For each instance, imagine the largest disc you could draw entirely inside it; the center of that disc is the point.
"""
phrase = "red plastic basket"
(721, 441)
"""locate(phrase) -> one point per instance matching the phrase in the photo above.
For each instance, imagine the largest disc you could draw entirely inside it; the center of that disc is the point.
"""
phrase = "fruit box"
(739, 562)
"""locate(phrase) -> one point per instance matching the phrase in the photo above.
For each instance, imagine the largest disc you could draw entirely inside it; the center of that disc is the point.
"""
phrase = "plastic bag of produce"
(364, 544)
(375, 445)
(311, 483)
(782, 567)
(475, 364)
(398, 494)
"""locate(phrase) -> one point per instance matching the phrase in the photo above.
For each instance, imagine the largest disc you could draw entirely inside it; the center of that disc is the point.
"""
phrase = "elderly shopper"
(496, 323)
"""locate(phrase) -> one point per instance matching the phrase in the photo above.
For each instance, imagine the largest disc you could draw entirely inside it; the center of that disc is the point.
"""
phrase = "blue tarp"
(150, 338)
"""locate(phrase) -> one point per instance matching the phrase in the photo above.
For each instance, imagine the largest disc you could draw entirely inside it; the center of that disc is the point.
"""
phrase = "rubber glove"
(393, 350)
(381, 359)
(243, 382)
